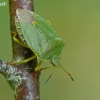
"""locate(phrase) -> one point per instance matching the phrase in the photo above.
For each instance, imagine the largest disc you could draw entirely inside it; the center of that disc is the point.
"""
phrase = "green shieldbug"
(38, 35)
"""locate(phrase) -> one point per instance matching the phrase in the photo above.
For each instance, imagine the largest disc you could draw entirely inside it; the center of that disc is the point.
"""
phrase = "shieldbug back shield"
(40, 37)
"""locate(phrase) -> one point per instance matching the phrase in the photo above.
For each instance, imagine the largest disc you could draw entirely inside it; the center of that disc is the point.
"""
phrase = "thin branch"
(28, 86)
(12, 75)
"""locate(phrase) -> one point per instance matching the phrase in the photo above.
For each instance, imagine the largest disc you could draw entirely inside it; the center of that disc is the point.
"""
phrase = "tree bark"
(28, 88)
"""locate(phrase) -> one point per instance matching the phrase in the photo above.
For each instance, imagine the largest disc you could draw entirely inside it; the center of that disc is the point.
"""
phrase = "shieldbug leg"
(45, 68)
(23, 61)
(50, 75)
(28, 59)
(16, 40)
(38, 66)
(67, 73)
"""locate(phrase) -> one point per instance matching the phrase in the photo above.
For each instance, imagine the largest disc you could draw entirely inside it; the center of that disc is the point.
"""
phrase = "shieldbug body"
(37, 34)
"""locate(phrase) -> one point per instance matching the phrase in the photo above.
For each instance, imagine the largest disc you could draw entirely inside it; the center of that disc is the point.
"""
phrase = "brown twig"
(29, 87)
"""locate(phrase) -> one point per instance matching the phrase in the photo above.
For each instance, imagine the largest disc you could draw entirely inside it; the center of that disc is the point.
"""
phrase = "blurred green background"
(77, 22)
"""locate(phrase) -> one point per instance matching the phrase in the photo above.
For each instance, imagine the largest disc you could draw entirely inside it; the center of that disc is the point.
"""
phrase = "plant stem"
(29, 87)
